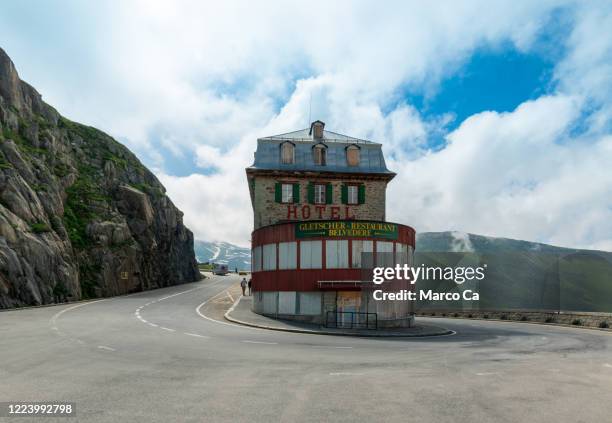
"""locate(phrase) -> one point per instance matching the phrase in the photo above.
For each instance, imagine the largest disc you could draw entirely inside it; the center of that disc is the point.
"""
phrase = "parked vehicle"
(220, 269)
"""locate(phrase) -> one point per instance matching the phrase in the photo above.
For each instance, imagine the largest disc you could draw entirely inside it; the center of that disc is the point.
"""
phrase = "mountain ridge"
(80, 215)
(222, 252)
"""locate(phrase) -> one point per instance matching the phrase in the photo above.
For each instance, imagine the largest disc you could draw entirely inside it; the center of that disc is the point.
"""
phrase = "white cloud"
(513, 174)
(204, 80)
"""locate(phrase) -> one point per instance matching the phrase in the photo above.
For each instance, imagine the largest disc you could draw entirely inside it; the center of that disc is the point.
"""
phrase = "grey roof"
(328, 136)
(267, 156)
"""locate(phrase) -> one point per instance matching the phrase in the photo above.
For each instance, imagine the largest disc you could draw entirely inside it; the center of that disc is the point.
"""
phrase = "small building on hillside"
(318, 202)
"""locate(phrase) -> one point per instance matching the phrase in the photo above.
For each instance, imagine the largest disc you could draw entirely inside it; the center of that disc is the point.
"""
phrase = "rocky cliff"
(80, 216)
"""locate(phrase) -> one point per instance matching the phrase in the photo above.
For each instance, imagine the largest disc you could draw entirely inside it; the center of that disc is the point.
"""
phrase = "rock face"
(80, 216)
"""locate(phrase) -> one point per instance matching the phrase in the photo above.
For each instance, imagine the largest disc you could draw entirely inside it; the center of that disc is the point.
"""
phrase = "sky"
(496, 116)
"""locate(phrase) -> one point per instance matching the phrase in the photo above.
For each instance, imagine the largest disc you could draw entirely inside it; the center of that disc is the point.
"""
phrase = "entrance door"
(347, 305)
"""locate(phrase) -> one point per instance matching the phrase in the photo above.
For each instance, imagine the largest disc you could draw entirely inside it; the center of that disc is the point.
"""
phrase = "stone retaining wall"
(586, 319)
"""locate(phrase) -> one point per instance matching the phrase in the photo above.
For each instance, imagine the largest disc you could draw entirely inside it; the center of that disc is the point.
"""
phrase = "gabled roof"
(328, 136)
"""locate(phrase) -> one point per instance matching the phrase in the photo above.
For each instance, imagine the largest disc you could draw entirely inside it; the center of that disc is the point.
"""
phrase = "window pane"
(256, 263)
(286, 302)
(352, 194)
(287, 193)
(287, 153)
(309, 303)
(310, 254)
(383, 259)
(269, 257)
(336, 254)
(361, 246)
(319, 194)
(352, 156)
(269, 302)
(287, 255)
(319, 155)
(401, 254)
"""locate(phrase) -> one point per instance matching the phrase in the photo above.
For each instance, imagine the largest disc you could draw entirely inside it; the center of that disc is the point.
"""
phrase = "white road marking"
(329, 346)
(608, 365)
(345, 374)
(487, 374)
(260, 342)
(139, 317)
(230, 297)
(195, 334)
(104, 347)
(234, 325)
(53, 320)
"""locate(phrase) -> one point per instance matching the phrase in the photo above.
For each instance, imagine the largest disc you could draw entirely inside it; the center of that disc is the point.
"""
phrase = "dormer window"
(287, 150)
(319, 153)
(316, 129)
(352, 155)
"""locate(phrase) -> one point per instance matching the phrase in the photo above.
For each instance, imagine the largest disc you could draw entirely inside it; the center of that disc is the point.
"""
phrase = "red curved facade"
(307, 279)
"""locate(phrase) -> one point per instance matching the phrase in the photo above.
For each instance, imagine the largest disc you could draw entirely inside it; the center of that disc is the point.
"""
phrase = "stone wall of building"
(267, 211)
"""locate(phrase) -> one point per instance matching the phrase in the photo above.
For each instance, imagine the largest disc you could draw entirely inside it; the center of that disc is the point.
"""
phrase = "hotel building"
(318, 202)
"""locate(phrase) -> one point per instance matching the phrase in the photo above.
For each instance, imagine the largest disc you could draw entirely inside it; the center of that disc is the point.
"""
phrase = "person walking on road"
(243, 285)
(249, 286)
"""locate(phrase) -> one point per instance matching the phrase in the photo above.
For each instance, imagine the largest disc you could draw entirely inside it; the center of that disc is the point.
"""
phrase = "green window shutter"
(344, 195)
(361, 194)
(278, 195)
(296, 193)
(311, 193)
(329, 194)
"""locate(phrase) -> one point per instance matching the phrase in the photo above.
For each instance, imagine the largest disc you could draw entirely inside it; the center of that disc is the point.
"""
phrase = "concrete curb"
(228, 317)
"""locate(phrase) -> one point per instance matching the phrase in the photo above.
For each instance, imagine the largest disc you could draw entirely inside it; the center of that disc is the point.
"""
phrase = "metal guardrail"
(351, 320)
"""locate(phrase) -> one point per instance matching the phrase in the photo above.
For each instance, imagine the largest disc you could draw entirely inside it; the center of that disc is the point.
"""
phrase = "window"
(310, 254)
(319, 194)
(352, 194)
(320, 154)
(256, 265)
(401, 254)
(336, 254)
(269, 302)
(384, 253)
(287, 302)
(287, 255)
(287, 193)
(287, 153)
(352, 155)
(269, 257)
(309, 303)
(361, 246)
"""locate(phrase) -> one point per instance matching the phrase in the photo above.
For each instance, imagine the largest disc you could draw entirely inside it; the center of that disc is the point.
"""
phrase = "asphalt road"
(150, 357)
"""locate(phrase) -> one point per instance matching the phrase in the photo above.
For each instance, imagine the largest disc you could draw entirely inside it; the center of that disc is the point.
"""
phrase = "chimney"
(316, 129)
